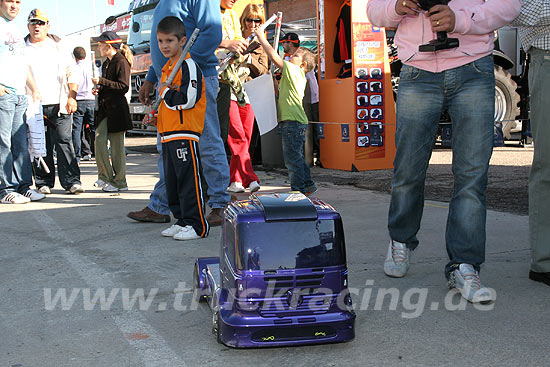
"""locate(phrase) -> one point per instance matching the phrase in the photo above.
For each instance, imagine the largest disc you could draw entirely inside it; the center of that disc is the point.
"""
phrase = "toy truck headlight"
(347, 300)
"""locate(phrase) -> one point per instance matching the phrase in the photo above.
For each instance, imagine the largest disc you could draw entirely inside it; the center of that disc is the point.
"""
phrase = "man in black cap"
(290, 42)
(54, 77)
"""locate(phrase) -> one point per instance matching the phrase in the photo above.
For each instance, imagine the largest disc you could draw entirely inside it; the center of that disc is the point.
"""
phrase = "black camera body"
(442, 42)
(428, 4)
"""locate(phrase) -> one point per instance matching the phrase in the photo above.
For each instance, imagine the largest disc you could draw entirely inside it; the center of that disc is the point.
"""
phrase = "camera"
(442, 42)
(428, 4)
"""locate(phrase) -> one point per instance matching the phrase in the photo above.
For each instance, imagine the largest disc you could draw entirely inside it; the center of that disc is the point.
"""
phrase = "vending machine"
(356, 106)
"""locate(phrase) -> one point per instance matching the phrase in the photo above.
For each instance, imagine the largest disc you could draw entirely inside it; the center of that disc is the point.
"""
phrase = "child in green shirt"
(292, 118)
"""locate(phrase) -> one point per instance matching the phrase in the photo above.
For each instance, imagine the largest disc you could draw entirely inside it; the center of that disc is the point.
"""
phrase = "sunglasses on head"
(37, 22)
(253, 20)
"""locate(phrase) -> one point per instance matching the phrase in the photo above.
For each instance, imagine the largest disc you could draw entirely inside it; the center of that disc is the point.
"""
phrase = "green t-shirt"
(291, 93)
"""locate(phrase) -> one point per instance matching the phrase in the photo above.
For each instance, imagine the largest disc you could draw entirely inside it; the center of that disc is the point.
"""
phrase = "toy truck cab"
(281, 278)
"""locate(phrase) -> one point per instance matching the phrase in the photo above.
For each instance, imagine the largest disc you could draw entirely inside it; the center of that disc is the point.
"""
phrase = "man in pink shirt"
(461, 80)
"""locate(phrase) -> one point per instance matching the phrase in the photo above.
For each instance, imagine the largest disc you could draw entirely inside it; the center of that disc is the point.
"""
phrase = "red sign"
(121, 24)
(141, 63)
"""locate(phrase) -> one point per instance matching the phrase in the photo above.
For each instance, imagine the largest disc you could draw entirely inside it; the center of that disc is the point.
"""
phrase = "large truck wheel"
(506, 100)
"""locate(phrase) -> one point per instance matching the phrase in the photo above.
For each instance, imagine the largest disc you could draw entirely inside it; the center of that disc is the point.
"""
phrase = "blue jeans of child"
(15, 163)
(468, 92)
(293, 135)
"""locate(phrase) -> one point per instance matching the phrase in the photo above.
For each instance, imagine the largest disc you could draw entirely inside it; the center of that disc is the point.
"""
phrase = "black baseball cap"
(291, 37)
(110, 38)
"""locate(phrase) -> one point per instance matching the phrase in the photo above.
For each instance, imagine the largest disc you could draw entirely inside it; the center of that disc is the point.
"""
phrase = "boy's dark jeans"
(293, 134)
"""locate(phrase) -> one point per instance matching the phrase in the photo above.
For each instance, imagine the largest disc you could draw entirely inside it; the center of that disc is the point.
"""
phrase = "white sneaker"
(171, 231)
(109, 188)
(397, 260)
(254, 186)
(76, 189)
(466, 280)
(45, 190)
(33, 195)
(100, 184)
(123, 188)
(187, 233)
(235, 187)
(14, 198)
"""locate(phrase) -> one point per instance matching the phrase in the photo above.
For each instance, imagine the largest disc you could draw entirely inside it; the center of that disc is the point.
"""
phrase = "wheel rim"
(500, 104)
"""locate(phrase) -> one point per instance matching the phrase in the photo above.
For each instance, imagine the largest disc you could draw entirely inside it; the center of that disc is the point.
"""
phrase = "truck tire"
(197, 291)
(506, 100)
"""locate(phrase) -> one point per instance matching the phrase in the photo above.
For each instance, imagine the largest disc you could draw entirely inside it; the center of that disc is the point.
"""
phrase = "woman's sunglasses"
(259, 21)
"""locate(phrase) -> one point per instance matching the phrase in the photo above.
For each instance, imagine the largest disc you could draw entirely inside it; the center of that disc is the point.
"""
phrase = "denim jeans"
(293, 136)
(58, 135)
(468, 92)
(15, 163)
(539, 178)
(215, 168)
(158, 201)
(84, 114)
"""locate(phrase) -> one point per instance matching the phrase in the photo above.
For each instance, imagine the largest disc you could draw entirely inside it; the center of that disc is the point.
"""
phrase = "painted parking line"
(151, 347)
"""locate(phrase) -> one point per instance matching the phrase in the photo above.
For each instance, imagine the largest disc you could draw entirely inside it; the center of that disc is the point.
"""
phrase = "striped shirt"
(534, 24)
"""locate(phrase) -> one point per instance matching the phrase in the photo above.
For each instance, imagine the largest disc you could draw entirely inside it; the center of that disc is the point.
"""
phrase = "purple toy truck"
(281, 278)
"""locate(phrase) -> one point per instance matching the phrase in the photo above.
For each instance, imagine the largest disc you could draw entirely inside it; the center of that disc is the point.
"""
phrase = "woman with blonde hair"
(241, 117)
(113, 115)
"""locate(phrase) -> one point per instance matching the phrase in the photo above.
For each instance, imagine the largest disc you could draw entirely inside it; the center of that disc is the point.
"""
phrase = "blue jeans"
(15, 163)
(215, 168)
(293, 135)
(468, 92)
(84, 114)
(58, 136)
(158, 201)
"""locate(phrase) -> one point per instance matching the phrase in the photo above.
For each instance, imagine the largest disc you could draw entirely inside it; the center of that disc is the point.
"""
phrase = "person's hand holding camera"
(442, 18)
(404, 7)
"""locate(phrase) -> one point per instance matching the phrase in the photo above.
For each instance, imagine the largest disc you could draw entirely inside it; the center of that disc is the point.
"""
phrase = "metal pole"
(276, 38)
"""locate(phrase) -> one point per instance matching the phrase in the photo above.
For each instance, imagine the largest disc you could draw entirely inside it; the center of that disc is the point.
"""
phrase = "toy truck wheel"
(216, 326)
(506, 100)
(197, 291)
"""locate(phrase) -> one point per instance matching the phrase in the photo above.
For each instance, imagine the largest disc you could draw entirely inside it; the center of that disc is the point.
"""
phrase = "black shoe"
(540, 277)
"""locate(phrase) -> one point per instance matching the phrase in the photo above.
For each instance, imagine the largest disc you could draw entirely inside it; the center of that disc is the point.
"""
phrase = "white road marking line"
(153, 349)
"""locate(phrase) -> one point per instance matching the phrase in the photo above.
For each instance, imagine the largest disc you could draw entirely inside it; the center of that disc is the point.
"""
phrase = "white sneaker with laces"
(235, 187)
(171, 231)
(33, 195)
(14, 198)
(254, 186)
(76, 189)
(187, 233)
(44, 190)
(397, 260)
(466, 280)
(109, 188)
(100, 184)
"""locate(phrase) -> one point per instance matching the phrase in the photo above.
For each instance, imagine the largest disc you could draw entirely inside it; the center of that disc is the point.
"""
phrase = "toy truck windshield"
(290, 245)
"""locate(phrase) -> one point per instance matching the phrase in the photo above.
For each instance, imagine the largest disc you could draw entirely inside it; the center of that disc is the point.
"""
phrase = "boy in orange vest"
(180, 122)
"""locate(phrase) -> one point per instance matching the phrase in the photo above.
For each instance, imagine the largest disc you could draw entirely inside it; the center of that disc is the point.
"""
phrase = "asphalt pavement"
(58, 254)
